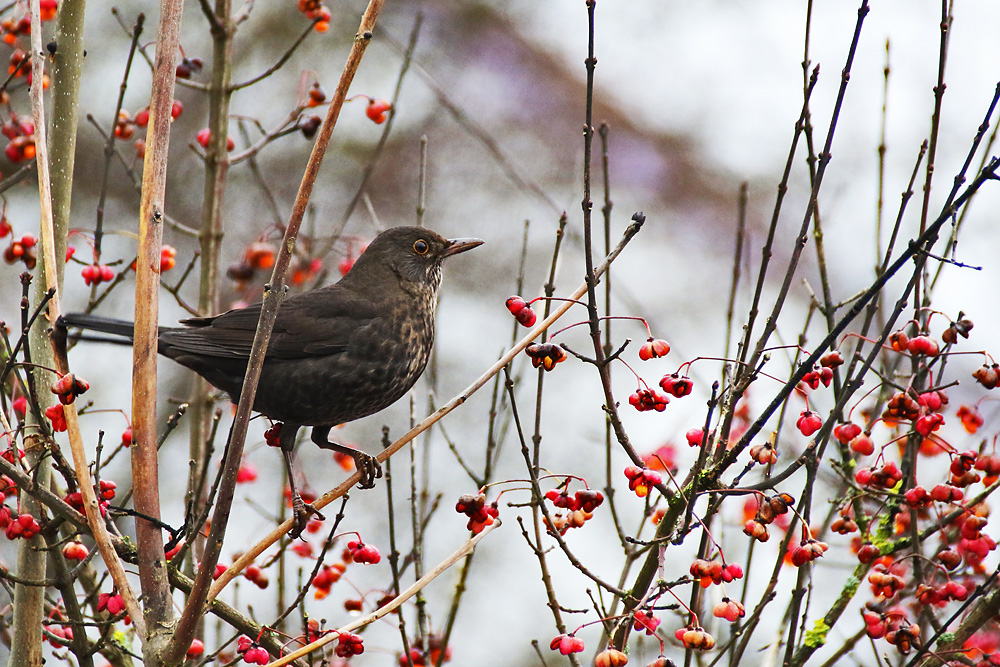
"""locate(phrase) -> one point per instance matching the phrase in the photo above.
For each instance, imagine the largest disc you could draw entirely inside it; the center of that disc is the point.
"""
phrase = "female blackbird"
(336, 354)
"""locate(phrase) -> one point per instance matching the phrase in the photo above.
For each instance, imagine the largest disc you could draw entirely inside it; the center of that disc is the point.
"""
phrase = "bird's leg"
(302, 511)
(367, 465)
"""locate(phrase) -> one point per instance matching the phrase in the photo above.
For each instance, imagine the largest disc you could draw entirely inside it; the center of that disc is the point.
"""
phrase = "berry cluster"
(363, 553)
(419, 658)
(731, 610)
(474, 506)
(349, 644)
(545, 355)
(252, 652)
(256, 576)
(68, 387)
(521, 310)
(106, 493)
(111, 602)
(188, 66)
(641, 480)
(695, 637)
(315, 11)
(885, 476)
(261, 255)
(921, 345)
(95, 274)
(767, 512)
(204, 137)
(763, 453)
(579, 508)
(326, 578)
(19, 250)
(645, 621)
(808, 550)
(808, 422)
(23, 526)
(647, 399)
(59, 635)
(247, 472)
(708, 572)
(988, 376)
(21, 136)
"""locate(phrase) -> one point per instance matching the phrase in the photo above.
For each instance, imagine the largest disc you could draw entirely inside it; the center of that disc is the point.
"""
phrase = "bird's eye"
(421, 247)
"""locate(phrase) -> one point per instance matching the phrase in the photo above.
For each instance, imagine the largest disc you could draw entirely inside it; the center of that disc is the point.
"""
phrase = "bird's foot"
(368, 467)
(302, 512)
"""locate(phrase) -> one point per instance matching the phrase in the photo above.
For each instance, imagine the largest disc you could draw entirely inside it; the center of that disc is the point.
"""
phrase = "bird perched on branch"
(336, 354)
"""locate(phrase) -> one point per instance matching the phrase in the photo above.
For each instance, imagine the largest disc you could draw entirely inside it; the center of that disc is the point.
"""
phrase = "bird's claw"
(368, 467)
(303, 512)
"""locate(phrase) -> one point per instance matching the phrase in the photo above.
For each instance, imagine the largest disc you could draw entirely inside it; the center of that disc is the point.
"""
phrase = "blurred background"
(698, 98)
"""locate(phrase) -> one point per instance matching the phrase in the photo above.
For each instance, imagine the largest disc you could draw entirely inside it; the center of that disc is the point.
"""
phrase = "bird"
(336, 354)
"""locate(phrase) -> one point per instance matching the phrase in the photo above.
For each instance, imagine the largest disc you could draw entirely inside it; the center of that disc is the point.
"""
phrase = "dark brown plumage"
(336, 354)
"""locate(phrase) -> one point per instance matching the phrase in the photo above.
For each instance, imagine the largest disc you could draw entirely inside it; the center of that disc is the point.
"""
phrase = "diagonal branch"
(273, 294)
(430, 420)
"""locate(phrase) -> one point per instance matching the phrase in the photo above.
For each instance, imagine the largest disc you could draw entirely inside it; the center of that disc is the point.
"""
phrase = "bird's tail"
(96, 323)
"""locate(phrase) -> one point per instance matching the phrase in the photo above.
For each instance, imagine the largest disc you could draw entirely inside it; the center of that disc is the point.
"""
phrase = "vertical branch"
(29, 600)
(881, 158)
(741, 230)
(771, 323)
(66, 64)
(210, 235)
(152, 563)
(939, 88)
(536, 505)
(67, 61)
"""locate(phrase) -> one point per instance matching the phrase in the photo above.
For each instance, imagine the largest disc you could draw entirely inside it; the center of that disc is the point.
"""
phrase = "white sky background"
(729, 75)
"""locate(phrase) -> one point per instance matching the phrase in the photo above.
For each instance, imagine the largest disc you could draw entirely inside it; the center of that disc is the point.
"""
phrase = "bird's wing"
(317, 323)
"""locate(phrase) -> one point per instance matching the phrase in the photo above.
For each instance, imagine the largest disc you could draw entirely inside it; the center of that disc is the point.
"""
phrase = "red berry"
(197, 648)
(74, 551)
(846, 432)
(247, 473)
(566, 644)
(694, 437)
(988, 376)
(922, 345)
(928, 423)
(731, 610)
(868, 553)
(675, 385)
(57, 417)
(167, 258)
(653, 349)
(376, 110)
(862, 444)
(831, 360)
(808, 422)
(316, 95)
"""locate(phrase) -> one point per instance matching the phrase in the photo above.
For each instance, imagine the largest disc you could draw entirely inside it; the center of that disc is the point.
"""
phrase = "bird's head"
(413, 254)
